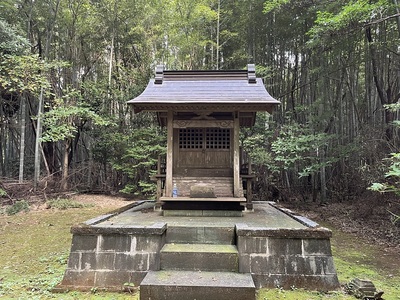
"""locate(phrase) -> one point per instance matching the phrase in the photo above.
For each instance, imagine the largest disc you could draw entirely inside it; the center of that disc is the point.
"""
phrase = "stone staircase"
(198, 263)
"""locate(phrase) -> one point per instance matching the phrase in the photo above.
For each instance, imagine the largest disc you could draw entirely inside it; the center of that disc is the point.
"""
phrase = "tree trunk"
(65, 164)
(38, 146)
(22, 140)
(36, 176)
(323, 178)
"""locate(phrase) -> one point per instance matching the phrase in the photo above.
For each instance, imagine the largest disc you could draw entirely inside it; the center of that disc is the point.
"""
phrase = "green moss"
(35, 248)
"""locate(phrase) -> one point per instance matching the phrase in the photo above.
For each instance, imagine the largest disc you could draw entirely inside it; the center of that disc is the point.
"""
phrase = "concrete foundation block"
(317, 247)
(119, 243)
(200, 235)
(178, 285)
(105, 260)
(112, 278)
(78, 278)
(88, 261)
(182, 213)
(200, 257)
(84, 243)
(244, 263)
(312, 282)
(152, 243)
(282, 246)
(74, 261)
(252, 244)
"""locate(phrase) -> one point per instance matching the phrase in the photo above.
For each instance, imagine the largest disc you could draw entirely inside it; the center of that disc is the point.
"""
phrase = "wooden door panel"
(191, 159)
(200, 149)
(218, 159)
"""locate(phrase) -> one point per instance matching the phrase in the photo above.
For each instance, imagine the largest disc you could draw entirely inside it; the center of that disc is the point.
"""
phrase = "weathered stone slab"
(248, 244)
(111, 214)
(222, 213)
(84, 243)
(200, 235)
(315, 233)
(290, 281)
(154, 229)
(202, 191)
(284, 246)
(287, 257)
(202, 213)
(178, 285)
(78, 278)
(120, 243)
(317, 247)
(200, 257)
(112, 278)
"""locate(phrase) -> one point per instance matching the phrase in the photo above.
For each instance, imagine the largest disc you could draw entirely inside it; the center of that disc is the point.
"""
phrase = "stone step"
(202, 213)
(189, 285)
(200, 234)
(196, 257)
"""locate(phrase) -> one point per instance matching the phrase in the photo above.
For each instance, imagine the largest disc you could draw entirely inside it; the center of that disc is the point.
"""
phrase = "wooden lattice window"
(191, 138)
(208, 138)
(218, 138)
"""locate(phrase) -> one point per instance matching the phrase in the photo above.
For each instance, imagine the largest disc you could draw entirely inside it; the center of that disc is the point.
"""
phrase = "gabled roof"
(237, 90)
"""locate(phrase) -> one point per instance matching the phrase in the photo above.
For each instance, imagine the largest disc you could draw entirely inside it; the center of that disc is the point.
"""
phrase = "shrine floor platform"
(265, 214)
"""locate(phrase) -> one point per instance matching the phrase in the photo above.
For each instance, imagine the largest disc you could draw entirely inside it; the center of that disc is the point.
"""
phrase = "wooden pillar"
(170, 147)
(236, 157)
(249, 200)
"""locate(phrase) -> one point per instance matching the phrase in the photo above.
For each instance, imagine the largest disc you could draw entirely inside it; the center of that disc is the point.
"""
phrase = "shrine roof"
(219, 90)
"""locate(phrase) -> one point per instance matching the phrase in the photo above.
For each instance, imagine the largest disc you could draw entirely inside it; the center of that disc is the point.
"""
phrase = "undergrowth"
(17, 207)
(62, 203)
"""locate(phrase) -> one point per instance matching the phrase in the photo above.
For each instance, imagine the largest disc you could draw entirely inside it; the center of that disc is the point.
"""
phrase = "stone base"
(202, 213)
(276, 248)
(178, 285)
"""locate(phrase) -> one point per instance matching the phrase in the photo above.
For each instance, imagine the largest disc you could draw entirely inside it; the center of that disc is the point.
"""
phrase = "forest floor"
(365, 244)
(369, 219)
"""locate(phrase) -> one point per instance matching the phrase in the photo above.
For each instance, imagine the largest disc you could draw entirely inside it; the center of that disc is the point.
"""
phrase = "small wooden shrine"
(203, 111)
(204, 174)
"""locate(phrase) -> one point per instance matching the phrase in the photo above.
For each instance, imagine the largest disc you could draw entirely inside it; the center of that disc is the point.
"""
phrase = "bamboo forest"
(67, 69)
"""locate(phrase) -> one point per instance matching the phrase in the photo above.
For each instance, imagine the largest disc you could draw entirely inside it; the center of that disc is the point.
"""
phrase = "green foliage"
(10, 41)
(297, 143)
(352, 16)
(65, 204)
(271, 5)
(17, 207)
(66, 115)
(133, 154)
(25, 73)
(3, 193)
(392, 174)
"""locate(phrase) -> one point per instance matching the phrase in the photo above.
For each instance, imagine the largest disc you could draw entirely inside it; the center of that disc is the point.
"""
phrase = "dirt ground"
(365, 221)
(102, 201)
(369, 217)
